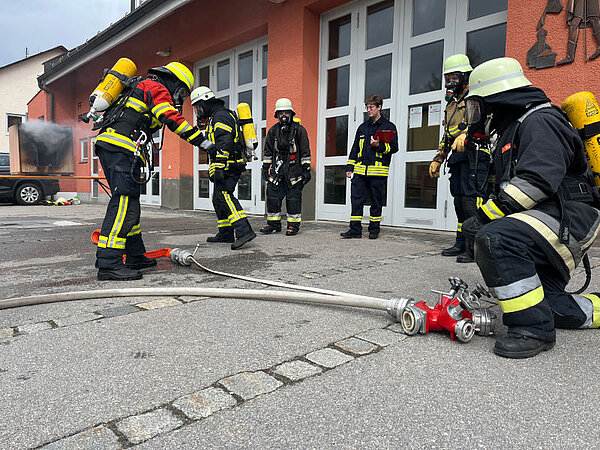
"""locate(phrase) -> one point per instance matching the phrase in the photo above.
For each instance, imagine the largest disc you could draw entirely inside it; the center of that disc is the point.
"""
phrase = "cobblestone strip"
(29, 328)
(228, 392)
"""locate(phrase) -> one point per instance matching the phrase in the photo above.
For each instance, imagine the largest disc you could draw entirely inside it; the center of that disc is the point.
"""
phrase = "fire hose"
(458, 311)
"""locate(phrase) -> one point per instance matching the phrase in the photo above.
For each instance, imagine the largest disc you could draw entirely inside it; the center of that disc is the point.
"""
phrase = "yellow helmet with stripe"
(178, 70)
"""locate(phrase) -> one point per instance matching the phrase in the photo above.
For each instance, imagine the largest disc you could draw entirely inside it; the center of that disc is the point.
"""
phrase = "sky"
(40, 25)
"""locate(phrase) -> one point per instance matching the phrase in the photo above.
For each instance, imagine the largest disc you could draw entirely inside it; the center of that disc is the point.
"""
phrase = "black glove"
(470, 227)
(265, 171)
(306, 175)
(219, 175)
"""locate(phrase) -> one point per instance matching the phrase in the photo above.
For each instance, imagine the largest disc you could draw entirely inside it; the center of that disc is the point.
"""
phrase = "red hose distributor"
(459, 312)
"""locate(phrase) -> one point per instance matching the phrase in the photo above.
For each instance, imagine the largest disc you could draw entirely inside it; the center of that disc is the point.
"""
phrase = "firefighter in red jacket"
(153, 103)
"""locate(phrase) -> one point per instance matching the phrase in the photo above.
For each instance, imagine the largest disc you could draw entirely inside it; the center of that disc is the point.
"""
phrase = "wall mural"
(581, 14)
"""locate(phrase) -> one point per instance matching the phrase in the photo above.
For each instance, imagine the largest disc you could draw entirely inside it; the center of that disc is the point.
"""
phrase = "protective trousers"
(530, 291)
(120, 232)
(361, 187)
(467, 197)
(293, 203)
(230, 214)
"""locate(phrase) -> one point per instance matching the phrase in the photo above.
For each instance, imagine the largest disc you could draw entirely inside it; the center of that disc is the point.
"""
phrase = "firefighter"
(368, 167)
(286, 168)
(153, 103)
(227, 164)
(468, 164)
(535, 228)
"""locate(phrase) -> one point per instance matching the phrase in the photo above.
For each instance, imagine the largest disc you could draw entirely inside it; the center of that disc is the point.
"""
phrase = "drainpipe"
(51, 97)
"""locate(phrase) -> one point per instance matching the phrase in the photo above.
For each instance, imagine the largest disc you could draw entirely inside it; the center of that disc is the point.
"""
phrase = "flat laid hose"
(250, 294)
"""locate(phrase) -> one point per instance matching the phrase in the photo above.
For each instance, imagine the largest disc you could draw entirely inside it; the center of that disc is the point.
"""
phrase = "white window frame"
(84, 149)
(255, 205)
(22, 116)
(454, 36)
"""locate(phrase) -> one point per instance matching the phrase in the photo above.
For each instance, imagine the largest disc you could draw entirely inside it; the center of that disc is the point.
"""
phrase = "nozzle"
(181, 257)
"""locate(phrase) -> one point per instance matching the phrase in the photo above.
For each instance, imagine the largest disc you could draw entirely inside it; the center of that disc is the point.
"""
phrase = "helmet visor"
(474, 113)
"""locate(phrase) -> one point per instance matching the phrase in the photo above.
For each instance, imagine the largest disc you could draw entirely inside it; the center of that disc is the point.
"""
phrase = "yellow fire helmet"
(495, 76)
(457, 63)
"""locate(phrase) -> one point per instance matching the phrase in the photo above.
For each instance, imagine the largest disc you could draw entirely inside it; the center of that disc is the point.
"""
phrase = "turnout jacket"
(454, 116)
(367, 160)
(541, 178)
(148, 108)
(290, 150)
(223, 130)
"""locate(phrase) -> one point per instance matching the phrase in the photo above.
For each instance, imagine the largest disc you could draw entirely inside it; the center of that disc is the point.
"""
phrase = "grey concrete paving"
(110, 373)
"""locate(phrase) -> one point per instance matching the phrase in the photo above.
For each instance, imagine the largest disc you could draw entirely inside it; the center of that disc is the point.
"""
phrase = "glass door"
(150, 192)
(236, 76)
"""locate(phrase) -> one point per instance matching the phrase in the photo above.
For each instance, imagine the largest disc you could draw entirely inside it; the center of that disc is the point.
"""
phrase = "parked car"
(24, 191)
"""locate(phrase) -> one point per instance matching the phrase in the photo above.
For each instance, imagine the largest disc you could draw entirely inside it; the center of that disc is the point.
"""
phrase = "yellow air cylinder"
(245, 115)
(583, 112)
(110, 87)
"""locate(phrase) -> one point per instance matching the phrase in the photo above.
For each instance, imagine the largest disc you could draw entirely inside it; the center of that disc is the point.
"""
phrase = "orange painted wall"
(560, 81)
(293, 64)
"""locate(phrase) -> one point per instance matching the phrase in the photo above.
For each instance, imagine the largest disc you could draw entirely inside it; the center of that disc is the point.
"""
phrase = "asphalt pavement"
(183, 372)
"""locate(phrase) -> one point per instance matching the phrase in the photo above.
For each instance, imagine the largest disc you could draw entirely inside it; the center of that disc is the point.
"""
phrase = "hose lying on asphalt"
(278, 283)
(250, 294)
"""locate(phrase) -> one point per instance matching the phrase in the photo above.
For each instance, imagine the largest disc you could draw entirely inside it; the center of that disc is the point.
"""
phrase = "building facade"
(326, 56)
(18, 84)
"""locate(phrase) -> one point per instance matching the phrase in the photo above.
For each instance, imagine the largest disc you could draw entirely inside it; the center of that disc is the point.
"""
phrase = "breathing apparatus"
(456, 75)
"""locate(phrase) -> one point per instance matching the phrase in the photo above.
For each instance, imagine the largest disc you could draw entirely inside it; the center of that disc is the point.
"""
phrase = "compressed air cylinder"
(583, 111)
(110, 87)
(245, 115)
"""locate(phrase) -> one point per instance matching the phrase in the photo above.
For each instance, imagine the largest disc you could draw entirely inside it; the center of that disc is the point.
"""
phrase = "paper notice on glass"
(415, 117)
(435, 115)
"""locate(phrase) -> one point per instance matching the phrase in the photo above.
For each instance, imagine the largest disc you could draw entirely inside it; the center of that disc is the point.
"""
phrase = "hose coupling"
(181, 257)
(396, 306)
(485, 322)
(464, 330)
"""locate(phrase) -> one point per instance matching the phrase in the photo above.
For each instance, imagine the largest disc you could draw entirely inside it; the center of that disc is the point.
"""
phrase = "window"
(421, 189)
(339, 37)
(480, 8)
(335, 184)
(13, 119)
(426, 62)
(338, 86)
(83, 145)
(336, 139)
(380, 23)
(428, 15)
(485, 44)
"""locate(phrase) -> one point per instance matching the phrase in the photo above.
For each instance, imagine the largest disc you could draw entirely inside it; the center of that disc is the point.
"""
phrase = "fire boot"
(518, 346)
(270, 229)
(138, 262)
(120, 273)
(222, 236)
(243, 238)
(291, 231)
(458, 247)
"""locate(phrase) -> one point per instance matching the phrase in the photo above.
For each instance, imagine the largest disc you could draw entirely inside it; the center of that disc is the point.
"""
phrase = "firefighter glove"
(306, 175)
(434, 169)
(265, 171)
(470, 227)
(209, 148)
(459, 143)
(219, 176)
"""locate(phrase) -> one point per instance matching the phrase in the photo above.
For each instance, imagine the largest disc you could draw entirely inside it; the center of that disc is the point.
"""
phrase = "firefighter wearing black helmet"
(153, 103)
(286, 169)
(227, 164)
(536, 227)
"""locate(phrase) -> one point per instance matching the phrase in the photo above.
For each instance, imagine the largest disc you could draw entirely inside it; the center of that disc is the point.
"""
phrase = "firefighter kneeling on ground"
(468, 164)
(533, 232)
(227, 164)
(286, 169)
(153, 103)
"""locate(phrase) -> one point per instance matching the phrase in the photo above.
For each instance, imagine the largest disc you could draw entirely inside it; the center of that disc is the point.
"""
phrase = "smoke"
(45, 145)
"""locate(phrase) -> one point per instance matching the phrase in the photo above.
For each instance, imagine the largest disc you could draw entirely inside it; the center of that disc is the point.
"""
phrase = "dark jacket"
(538, 159)
(223, 130)
(288, 153)
(367, 160)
